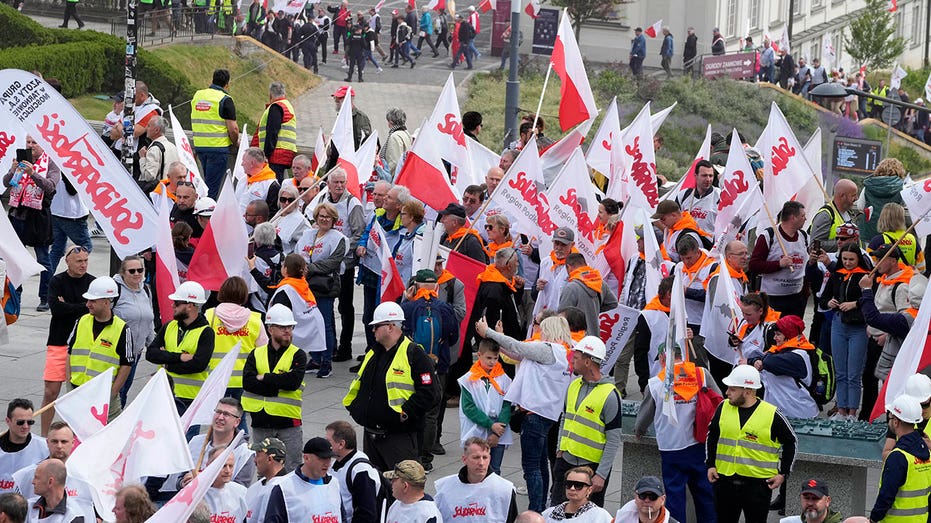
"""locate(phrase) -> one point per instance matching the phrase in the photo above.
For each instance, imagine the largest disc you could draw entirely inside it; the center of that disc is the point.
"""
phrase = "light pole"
(512, 92)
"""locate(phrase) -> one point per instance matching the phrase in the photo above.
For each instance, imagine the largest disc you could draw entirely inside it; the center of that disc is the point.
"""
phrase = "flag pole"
(782, 244)
(203, 450)
(546, 80)
(894, 245)
(481, 211)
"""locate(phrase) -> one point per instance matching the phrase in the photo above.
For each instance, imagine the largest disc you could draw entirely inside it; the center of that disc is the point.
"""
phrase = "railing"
(171, 24)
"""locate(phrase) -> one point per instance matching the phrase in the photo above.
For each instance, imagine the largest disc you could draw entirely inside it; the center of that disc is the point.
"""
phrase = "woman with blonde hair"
(891, 226)
(498, 229)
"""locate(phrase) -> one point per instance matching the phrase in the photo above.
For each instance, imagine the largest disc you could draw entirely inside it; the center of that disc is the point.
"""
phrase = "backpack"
(706, 242)
(428, 331)
(823, 384)
(150, 185)
(383, 499)
(11, 302)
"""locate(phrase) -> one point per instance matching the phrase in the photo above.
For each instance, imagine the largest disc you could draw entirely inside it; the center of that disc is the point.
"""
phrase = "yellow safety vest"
(836, 217)
(91, 356)
(747, 451)
(224, 341)
(908, 246)
(398, 380)
(287, 403)
(583, 433)
(287, 135)
(186, 386)
(208, 127)
(911, 501)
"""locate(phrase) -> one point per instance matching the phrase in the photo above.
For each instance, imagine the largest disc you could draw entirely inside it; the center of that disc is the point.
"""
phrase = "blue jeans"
(41, 257)
(64, 229)
(124, 390)
(848, 343)
(213, 162)
(323, 358)
(370, 300)
(497, 456)
(534, 461)
(683, 468)
(463, 51)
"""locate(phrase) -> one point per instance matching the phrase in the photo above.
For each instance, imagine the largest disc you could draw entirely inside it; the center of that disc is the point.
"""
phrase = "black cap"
(650, 484)
(319, 447)
(880, 252)
(118, 97)
(815, 486)
(455, 209)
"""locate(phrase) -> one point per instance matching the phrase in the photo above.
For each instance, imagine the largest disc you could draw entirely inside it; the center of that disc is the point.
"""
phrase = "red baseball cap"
(341, 92)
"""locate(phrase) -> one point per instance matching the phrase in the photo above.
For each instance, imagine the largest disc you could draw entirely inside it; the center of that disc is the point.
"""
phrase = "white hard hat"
(387, 312)
(918, 386)
(101, 288)
(279, 315)
(593, 346)
(204, 206)
(189, 291)
(744, 376)
(906, 408)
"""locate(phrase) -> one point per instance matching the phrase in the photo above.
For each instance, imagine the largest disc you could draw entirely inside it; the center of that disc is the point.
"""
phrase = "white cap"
(906, 408)
(743, 376)
(592, 346)
(387, 312)
(103, 287)
(918, 386)
(279, 315)
(189, 291)
(204, 206)
(472, 8)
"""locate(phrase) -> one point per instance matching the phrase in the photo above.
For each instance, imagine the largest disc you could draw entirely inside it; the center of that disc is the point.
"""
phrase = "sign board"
(501, 20)
(856, 155)
(736, 66)
(545, 27)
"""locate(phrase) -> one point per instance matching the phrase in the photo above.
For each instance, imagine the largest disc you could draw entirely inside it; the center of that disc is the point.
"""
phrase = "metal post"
(512, 92)
(789, 24)
(129, 102)
(927, 29)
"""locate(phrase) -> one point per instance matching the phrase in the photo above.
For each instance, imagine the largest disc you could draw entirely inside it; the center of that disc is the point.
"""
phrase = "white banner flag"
(738, 187)
(785, 167)
(85, 409)
(20, 265)
(572, 203)
(636, 182)
(917, 198)
(186, 153)
(617, 326)
(291, 7)
(201, 410)
(109, 192)
(898, 74)
(720, 317)
(520, 194)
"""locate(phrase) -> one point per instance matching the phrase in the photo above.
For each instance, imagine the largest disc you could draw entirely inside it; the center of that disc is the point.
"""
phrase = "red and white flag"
(445, 128)
(688, 179)
(359, 165)
(342, 139)
(466, 270)
(11, 139)
(827, 51)
(914, 355)
(182, 505)
(898, 74)
(811, 195)
(576, 101)
(486, 5)
(85, 409)
(892, 5)
(520, 196)
(214, 389)
(424, 174)
(224, 244)
(598, 156)
(917, 198)
(555, 156)
(636, 181)
(186, 154)
(654, 29)
(436, 4)
(20, 264)
(572, 203)
(785, 168)
(319, 156)
(166, 265)
(379, 260)
(120, 208)
(720, 316)
(738, 186)
(145, 440)
(615, 329)
(784, 40)
(533, 8)
(379, 5)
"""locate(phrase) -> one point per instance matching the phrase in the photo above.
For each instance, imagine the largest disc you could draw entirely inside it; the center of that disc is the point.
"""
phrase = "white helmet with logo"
(918, 386)
(906, 408)
(189, 291)
(279, 315)
(592, 346)
(387, 312)
(103, 287)
(743, 376)
(204, 206)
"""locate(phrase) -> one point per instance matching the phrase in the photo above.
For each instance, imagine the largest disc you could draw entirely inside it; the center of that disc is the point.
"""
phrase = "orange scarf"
(444, 277)
(588, 276)
(492, 274)
(685, 383)
(577, 336)
(478, 372)
(427, 294)
(494, 247)
(698, 265)
(847, 274)
(905, 277)
(265, 174)
(687, 222)
(299, 285)
(912, 311)
(163, 187)
(772, 316)
(736, 273)
(798, 342)
(462, 232)
(656, 305)
(557, 263)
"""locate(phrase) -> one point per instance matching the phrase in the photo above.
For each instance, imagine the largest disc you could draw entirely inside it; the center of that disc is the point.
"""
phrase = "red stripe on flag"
(426, 183)
(466, 270)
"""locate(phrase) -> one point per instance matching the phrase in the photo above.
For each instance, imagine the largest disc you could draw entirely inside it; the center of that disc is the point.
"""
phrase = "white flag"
(687, 181)
(827, 51)
(572, 203)
(675, 336)
(20, 265)
(917, 198)
(481, 159)
(519, 193)
(445, 128)
(811, 194)
(927, 95)
(720, 316)
(145, 440)
(616, 326)
(239, 173)
(898, 74)
(183, 504)
(636, 182)
(4, 334)
(85, 409)
(738, 186)
(201, 410)
(598, 156)
(342, 137)
(785, 167)
(186, 154)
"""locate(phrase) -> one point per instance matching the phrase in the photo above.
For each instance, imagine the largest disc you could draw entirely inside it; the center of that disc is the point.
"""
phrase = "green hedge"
(81, 67)
(20, 30)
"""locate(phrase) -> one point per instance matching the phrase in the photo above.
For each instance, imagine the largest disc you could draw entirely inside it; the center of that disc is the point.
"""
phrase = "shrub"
(80, 67)
(20, 30)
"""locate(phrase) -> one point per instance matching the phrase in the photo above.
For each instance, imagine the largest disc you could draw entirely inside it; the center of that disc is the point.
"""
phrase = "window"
(838, 40)
(798, 7)
(916, 26)
(732, 23)
(814, 50)
(753, 14)
(816, 4)
(899, 24)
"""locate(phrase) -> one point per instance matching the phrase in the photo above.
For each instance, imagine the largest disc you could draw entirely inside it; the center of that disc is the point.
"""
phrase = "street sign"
(891, 115)
(545, 27)
(736, 66)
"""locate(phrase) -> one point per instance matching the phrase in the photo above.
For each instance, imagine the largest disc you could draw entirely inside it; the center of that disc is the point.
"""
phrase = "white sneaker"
(522, 491)
(380, 69)
(837, 416)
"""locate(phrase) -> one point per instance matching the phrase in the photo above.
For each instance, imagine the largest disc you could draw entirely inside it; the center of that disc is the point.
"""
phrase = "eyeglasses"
(224, 414)
(22, 422)
(286, 200)
(576, 485)
(324, 217)
(138, 270)
(648, 496)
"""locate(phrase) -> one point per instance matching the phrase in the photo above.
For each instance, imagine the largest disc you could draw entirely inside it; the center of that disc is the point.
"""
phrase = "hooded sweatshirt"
(894, 472)
(877, 192)
(135, 308)
(235, 317)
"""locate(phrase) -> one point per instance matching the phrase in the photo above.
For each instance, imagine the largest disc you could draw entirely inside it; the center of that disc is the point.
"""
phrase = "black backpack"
(383, 499)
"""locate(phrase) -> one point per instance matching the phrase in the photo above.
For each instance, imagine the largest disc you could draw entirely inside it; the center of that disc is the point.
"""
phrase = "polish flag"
(183, 504)
(359, 165)
(554, 157)
(379, 260)
(436, 4)
(186, 154)
(424, 174)
(445, 128)
(20, 265)
(214, 389)
(486, 5)
(166, 265)
(914, 355)
(85, 409)
(239, 173)
(533, 8)
(342, 140)
(145, 440)
(654, 29)
(577, 103)
(319, 155)
(224, 244)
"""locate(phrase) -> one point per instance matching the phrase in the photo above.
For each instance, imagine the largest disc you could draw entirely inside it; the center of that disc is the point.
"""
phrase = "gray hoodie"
(135, 308)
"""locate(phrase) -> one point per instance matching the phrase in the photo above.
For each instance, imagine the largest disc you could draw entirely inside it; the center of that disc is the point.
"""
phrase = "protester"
(133, 505)
(648, 505)
(19, 447)
(224, 498)
(905, 469)
(307, 492)
(214, 129)
(816, 504)
(360, 487)
(52, 497)
(483, 411)
(488, 496)
(578, 487)
(134, 306)
(411, 504)
(269, 465)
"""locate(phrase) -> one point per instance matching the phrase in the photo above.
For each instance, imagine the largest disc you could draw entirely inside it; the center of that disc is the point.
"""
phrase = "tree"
(872, 41)
(583, 11)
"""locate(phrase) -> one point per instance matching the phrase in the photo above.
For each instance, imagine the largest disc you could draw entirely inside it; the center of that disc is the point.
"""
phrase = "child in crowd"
(482, 409)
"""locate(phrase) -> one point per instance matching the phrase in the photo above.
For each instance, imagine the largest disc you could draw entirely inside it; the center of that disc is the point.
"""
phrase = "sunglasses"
(140, 270)
(184, 183)
(75, 250)
(926, 404)
(489, 227)
(286, 200)
(22, 422)
(648, 496)
(576, 485)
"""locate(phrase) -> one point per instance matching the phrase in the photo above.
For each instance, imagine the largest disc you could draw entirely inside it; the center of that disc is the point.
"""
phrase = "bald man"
(49, 484)
(492, 178)
(834, 213)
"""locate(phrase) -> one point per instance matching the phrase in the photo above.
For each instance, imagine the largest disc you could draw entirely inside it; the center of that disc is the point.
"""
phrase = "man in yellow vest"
(590, 433)
(743, 450)
(276, 134)
(99, 342)
(906, 476)
(833, 214)
(393, 391)
(273, 384)
(213, 122)
(185, 344)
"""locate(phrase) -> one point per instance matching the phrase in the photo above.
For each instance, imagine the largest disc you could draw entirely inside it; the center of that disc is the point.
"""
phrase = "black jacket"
(495, 301)
(172, 360)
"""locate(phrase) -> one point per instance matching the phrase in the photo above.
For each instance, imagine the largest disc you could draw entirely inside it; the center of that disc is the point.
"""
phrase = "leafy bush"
(19, 30)
(80, 67)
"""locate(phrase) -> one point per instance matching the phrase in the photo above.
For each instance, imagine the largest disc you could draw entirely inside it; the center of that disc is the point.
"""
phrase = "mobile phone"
(251, 249)
(24, 155)
(816, 246)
